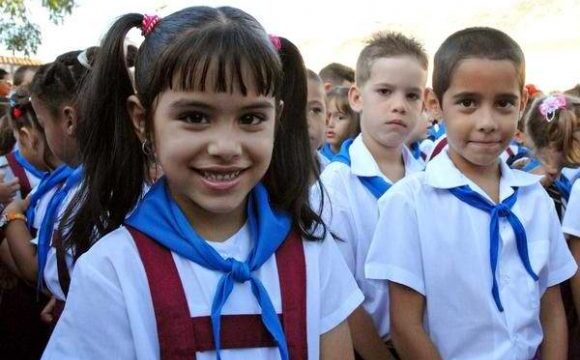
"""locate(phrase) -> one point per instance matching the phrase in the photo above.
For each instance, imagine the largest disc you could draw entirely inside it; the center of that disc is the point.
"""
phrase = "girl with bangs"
(212, 262)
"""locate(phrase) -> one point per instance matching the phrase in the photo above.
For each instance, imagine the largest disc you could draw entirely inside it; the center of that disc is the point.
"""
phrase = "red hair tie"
(16, 113)
(149, 23)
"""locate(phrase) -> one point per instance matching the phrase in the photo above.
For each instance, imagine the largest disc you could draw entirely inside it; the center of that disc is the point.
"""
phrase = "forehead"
(484, 75)
(404, 70)
(315, 89)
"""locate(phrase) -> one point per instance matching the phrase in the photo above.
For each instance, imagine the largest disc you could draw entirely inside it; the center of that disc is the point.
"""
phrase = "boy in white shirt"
(391, 75)
(484, 283)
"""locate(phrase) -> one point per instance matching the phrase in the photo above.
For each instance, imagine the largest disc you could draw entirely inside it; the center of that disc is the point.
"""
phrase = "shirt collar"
(364, 164)
(441, 173)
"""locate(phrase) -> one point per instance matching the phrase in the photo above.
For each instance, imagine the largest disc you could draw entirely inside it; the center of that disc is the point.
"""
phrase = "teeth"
(220, 176)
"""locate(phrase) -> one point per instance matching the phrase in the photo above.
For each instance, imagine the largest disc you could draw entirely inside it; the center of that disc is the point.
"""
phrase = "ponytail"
(111, 154)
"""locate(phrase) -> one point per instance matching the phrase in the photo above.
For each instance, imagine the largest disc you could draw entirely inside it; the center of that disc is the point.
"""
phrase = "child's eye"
(252, 119)
(468, 103)
(384, 91)
(505, 104)
(194, 118)
(316, 110)
(413, 96)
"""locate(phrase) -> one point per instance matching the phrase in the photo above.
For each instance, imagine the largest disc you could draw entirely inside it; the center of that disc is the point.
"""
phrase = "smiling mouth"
(220, 176)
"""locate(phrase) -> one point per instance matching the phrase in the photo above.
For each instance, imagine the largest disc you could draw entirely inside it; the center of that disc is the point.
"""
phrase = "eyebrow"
(415, 89)
(469, 94)
(203, 105)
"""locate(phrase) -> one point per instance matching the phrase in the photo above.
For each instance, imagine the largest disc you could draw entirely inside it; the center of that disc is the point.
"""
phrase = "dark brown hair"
(340, 97)
(475, 43)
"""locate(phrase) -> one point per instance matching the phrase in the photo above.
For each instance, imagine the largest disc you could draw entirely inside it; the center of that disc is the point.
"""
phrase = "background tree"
(18, 33)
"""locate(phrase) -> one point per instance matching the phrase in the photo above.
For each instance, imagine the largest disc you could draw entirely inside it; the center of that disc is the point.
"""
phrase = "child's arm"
(365, 337)
(406, 308)
(574, 244)
(336, 344)
(6, 258)
(553, 318)
(18, 238)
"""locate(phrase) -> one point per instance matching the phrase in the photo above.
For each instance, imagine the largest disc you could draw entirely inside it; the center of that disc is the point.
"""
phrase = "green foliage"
(18, 33)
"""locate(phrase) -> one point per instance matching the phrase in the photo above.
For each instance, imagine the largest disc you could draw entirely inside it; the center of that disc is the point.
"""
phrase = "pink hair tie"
(276, 41)
(149, 23)
(551, 104)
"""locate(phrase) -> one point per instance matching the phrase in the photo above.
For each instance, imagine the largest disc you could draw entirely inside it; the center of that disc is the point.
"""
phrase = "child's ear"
(70, 118)
(25, 138)
(137, 114)
(524, 101)
(355, 98)
(327, 87)
(432, 104)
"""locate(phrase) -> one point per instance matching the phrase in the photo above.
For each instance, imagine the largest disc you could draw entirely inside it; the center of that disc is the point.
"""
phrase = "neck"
(335, 148)
(487, 177)
(389, 159)
(211, 226)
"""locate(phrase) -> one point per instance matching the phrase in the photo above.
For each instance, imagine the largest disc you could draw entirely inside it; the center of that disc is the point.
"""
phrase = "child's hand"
(18, 206)
(46, 315)
(8, 189)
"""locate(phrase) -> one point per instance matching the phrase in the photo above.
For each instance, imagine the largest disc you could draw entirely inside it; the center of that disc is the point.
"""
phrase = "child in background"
(336, 74)
(223, 241)
(390, 83)
(316, 116)
(485, 285)
(418, 141)
(553, 124)
(342, 122)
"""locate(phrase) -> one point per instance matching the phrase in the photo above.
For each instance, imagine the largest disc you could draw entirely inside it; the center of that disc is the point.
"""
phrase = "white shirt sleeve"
(94, 324)
(561, 263)
(338, 217)
(339, 293)
(571, 222)
(395, 252)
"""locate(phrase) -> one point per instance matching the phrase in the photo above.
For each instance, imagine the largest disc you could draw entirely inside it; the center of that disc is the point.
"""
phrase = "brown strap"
(20, 173)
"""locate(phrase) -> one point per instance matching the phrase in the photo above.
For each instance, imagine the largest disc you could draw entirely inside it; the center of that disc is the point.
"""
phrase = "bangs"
(222, 58)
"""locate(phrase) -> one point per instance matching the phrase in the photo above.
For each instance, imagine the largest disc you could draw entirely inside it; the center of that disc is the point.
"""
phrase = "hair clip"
(276, 41)
(83, 60)
(16, 112)
(149, 23)
(532, 90)
(551, 104)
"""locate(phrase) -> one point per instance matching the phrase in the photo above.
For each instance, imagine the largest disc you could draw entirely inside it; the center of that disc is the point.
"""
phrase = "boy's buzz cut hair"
(387, 44)
(475, 43)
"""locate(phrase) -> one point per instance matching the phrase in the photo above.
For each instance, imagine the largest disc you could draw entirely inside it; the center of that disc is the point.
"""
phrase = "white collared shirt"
(351, 213)
(439, 247)
(571, 221)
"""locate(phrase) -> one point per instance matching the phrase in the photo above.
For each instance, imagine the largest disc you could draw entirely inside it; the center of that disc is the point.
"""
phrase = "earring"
(147, 148)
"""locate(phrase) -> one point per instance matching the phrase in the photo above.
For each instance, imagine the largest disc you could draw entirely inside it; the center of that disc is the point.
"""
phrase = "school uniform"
(117, 292)
(442, 247)
(322, 160)
(351, 213)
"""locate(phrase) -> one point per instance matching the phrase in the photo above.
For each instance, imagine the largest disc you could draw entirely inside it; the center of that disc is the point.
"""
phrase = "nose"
(225, 144)
(399, 103)
(486, 120)
(330, 122)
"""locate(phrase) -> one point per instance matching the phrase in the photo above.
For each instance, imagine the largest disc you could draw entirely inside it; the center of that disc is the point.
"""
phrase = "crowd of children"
(207, 196)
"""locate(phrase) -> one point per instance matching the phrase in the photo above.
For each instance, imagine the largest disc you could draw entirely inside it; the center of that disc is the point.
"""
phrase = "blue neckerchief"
(532, 165)
(564, 186)
(160, 218)
(28, 166)
(375, 184)
(50, 217)
(327, 152)
(416, 151)
(503, 209)
(436, 131)
(48, 182)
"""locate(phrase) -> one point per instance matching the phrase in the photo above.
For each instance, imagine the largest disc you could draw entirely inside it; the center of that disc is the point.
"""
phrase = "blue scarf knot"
(501, 210)
(240, 270)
